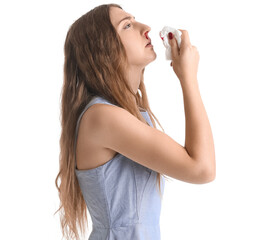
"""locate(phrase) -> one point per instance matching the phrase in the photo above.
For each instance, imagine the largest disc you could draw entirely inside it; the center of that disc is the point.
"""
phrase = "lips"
(149, 43)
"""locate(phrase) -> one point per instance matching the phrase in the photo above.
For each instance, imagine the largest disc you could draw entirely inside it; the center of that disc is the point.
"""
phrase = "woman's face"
(134, 36)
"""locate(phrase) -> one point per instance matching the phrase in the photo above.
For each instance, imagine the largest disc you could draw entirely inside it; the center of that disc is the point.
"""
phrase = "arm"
(199, 140)
(115, 128)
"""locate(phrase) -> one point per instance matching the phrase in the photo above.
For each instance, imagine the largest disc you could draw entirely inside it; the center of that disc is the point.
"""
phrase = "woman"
(112, 156)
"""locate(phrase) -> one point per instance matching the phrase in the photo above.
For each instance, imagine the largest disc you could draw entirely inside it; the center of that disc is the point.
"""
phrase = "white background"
(230, 38)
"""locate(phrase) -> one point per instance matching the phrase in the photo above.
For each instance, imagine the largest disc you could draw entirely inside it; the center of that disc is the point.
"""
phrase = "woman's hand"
(185, 59)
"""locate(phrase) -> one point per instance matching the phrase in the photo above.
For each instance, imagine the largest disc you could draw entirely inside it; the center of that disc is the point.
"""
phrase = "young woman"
(112, 155)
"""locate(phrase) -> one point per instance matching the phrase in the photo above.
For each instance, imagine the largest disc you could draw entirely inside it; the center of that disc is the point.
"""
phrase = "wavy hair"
(95, 63)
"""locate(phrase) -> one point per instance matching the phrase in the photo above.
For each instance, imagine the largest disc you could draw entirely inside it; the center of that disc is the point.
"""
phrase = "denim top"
(121, 195)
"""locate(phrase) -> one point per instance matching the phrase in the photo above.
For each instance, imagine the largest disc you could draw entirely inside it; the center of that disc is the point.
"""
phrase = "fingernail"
(170, 35)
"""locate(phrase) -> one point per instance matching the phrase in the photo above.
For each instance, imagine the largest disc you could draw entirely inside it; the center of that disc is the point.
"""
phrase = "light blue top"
(121, 195)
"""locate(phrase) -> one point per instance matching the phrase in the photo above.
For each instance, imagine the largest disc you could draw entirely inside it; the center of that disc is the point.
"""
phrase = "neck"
(134, 77)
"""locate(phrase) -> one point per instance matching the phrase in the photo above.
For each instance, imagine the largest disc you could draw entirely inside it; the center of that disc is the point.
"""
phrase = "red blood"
(161, 36)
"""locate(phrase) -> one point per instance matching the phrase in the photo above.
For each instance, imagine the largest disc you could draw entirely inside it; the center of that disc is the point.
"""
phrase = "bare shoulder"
(115, 128)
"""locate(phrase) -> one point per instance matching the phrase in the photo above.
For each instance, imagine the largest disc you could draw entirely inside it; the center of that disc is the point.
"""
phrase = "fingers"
(185, 38)
(174, 46)
(195, 48)
(185, 42)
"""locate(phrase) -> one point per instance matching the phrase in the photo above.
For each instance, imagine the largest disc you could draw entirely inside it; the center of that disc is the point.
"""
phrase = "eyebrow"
(128, 17)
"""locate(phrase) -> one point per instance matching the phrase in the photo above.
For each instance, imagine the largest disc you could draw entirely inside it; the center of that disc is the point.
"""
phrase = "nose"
(146, 34)
(147, 30)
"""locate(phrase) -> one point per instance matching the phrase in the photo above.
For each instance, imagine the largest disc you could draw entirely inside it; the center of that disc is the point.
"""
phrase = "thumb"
(174, 45)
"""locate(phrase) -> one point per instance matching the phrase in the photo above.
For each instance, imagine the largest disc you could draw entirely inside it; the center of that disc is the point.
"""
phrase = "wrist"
(191, 82)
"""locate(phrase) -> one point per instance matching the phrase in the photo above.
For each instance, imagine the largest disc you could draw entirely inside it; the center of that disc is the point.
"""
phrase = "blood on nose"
(146, 35)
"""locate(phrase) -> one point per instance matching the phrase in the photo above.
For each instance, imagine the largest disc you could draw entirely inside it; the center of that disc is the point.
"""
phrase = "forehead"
(116, 14)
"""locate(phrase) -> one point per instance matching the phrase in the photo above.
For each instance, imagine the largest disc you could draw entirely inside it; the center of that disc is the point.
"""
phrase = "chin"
(154, 56)
(151, 59)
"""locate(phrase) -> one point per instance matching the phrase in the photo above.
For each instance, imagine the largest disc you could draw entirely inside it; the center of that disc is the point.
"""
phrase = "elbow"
(210, 177)
(208, 174)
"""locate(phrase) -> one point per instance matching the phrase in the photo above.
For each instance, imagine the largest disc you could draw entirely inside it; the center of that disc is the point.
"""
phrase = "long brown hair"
(95, 63)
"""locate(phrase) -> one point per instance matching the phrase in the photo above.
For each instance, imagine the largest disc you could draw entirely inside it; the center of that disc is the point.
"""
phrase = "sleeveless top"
(121, 195)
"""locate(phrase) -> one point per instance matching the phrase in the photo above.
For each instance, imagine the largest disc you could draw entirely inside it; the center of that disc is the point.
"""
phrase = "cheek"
(133, 48)
(129, 44)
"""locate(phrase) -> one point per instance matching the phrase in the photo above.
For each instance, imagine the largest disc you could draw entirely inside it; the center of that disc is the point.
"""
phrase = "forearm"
(199, 139)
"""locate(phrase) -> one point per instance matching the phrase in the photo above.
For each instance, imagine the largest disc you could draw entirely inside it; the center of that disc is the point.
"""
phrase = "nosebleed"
(164, 36)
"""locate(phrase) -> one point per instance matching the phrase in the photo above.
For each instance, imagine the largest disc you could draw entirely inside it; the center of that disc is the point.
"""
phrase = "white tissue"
(164, 36)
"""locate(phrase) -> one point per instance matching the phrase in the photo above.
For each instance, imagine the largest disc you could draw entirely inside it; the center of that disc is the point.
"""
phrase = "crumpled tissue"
(164, 36)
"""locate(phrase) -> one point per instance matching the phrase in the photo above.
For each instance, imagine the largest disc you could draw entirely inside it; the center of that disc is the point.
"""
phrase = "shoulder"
(100, 114)
(102, 120)
(108, 125)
